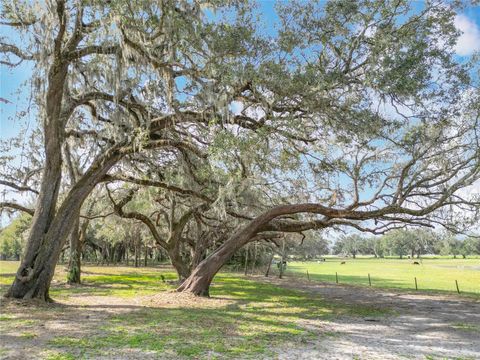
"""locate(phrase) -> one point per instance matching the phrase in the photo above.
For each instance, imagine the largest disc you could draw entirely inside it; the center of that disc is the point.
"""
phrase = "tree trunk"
(246, 260)
(73, 275)
(282, 260)
(136, 254)
(199, 251)
(146, 256)
(198, 283)
(255, 254)
(182, 268)
(36, 271)
(201, 277)
(269, 265)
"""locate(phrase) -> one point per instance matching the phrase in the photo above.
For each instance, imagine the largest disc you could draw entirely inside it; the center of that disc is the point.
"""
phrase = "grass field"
(433, 274)
(129, 313)
(115, 312)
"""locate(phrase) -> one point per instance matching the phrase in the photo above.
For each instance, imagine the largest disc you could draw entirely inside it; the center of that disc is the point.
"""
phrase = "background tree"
(374, 245)
(312, 247)
(12, 237)
(352, 244)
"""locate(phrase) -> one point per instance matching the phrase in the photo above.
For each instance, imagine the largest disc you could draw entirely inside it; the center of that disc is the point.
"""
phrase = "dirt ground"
(420, 326)
(78, 317)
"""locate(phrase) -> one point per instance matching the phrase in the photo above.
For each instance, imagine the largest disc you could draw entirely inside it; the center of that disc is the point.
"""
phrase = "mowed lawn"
(433, 274)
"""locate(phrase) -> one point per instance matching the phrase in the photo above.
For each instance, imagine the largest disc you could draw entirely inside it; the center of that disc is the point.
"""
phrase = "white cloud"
(469, 40)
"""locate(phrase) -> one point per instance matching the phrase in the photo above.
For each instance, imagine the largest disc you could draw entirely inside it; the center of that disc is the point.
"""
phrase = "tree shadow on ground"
(254, 320)
(245, 318)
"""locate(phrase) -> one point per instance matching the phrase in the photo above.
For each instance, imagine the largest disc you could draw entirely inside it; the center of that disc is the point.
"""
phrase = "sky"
(14, 94)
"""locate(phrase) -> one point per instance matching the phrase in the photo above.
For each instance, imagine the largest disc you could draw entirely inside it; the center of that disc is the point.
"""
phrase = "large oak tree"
(354, 114)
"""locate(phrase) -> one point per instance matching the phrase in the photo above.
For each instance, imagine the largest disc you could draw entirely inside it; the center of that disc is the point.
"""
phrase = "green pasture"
(433, 274)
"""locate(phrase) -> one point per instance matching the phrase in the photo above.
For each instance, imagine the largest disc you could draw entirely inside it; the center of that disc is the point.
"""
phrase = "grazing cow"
(416, 263)
(343, 263)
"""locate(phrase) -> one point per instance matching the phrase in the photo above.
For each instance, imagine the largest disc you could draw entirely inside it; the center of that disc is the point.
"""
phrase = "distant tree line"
(112, 242)
(407, 243)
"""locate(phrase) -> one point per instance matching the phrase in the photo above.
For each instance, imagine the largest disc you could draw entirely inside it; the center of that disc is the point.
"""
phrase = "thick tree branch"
(16, 206)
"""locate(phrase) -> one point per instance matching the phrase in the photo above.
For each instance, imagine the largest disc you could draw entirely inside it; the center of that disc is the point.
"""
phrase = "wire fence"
(369, 279)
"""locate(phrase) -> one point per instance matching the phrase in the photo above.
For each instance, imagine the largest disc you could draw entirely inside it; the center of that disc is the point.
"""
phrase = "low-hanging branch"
(15, 206)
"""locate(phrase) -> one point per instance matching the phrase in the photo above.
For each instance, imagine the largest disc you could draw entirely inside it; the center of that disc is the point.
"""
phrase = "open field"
(434, 274)
(129, 313)
(114, 314)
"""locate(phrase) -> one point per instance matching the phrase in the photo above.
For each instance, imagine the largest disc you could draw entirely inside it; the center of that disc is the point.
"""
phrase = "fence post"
(456, 283)
(416, 286)
(336, 277)
(308, 276)
(369, 281)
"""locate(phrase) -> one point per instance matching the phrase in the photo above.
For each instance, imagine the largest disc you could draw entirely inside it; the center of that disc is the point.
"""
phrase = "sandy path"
(422, 326)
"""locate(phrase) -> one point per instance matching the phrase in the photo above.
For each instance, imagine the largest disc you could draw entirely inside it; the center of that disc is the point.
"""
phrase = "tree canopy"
(351, 115)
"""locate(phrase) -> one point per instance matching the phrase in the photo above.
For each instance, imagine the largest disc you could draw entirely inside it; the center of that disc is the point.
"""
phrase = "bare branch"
(16, 206)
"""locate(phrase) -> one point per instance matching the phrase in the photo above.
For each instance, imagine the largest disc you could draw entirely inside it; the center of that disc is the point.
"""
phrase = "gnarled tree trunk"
(181, 267)
(201, 277)
(35, 257)
(36, 271)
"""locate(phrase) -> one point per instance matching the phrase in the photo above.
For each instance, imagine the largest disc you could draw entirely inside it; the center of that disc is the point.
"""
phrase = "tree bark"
(254, 263)
(49, 188)
(199, 252)
(36, 271)
(136, 253)
(282, 260)
(181, 267)
(73, 276)
(201, 277)
(269, 265)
